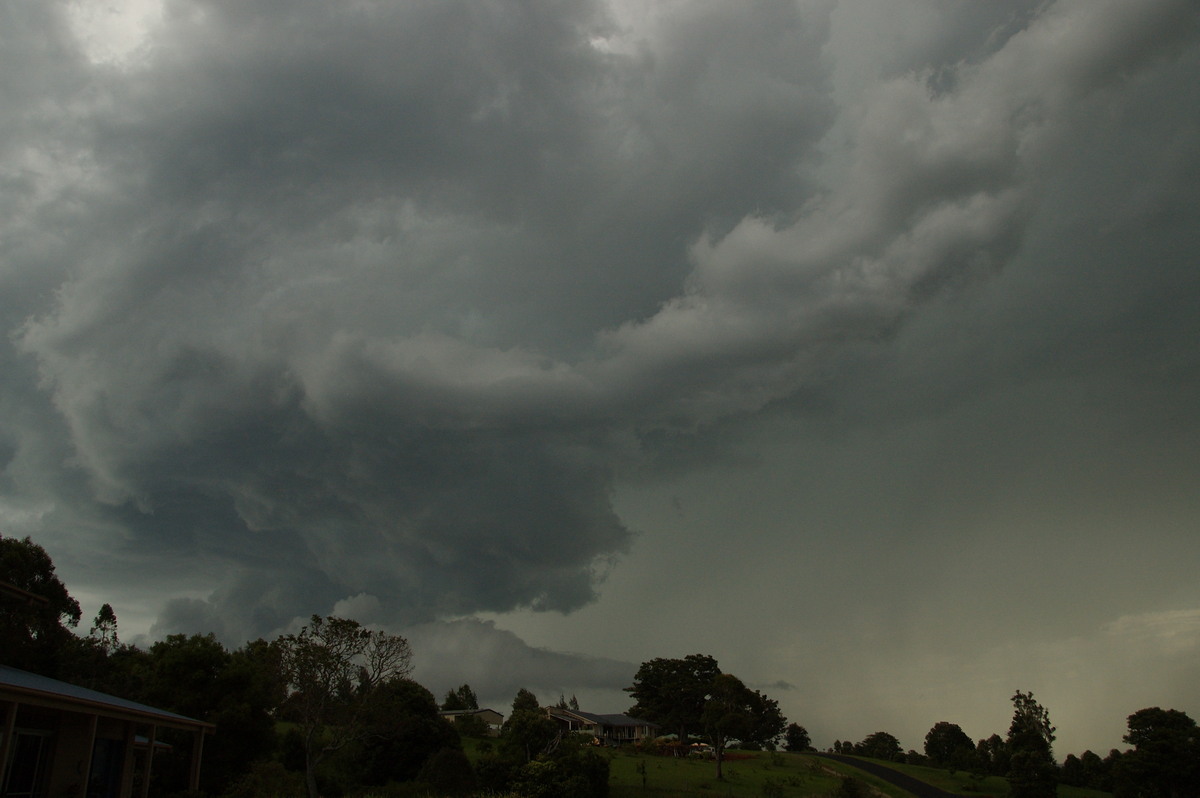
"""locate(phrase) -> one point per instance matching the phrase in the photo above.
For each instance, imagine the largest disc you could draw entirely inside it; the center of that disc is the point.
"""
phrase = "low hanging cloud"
(380, 301)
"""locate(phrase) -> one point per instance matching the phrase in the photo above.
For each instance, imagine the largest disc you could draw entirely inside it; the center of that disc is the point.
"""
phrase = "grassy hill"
(757, 775)
(763, 775)
(777, 775)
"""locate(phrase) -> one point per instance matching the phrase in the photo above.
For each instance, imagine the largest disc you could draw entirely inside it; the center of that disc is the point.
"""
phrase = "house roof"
(21, 594)
(445, 712)
(603, 720)
(34, 689)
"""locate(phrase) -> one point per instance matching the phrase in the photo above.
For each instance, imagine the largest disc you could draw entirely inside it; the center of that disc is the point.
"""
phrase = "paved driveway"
(901, 780)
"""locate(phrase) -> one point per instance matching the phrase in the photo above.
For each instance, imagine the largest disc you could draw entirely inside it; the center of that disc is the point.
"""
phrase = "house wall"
(72, 754)
(71, 743)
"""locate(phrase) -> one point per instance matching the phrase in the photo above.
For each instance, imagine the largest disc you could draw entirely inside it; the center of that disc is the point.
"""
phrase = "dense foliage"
(947, 745)
(673, 692)
(1032, 772)
(796, 739)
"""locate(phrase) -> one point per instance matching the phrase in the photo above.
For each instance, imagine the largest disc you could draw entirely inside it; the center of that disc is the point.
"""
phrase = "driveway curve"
(905, 782)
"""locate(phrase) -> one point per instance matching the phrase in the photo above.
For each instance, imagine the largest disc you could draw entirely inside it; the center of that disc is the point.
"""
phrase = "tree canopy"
(948, 745)
(880, 745)
(401, 730)
(796, 739)
(33, 633)
(673, 692)
(1032, 772)
(332, 668)
(735, 712)
(460, 698)
(1165, 762)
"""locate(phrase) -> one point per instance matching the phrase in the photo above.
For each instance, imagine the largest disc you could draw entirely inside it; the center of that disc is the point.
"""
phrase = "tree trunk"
(310, 776)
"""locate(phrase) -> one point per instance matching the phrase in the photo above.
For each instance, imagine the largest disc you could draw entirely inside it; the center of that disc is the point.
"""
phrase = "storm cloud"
(428, 310)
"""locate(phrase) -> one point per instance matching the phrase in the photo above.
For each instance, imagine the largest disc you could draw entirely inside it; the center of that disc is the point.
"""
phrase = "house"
(60, 739)
(491, 717)
(604, 729)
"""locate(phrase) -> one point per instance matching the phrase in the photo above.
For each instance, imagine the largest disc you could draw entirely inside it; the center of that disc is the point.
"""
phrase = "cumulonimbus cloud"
(381, 301)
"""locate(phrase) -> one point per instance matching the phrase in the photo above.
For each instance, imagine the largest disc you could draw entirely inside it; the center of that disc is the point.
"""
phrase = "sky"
(855, 344)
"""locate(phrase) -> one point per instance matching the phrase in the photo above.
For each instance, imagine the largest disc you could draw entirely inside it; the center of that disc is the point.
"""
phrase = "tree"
(401, 730)
(1032, 771)
(734, 711)
(796, 738)
(525, 701)
(880, 745)
(992, 754)
(460, 699)
(528, 731)
(673, 692)
(1071, 772)
(104, 629)
(332, 668)
(1165, 761)
(35, 630)
(947, 745)
(196, 676)
(1095, 774)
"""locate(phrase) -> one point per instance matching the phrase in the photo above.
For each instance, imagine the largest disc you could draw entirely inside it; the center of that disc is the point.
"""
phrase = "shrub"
(449, 773)
(267, 779)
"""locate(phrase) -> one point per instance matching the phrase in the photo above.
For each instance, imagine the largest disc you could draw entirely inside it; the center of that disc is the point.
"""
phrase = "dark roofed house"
(605, 729)
(61, 739)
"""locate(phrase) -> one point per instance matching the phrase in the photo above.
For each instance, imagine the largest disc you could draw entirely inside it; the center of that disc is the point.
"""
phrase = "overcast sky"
(856, 344)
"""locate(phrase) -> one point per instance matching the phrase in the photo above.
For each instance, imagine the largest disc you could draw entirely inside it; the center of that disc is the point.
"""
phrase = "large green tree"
(735, 712)
(1032, 771)
(880, 745)
(1165, 761)
(992, 755)
(401, 730)
(37, 619)
(528, 731)
(796, 739)
(673, 692)
(237, 691)
(332, 668)
(947, 745)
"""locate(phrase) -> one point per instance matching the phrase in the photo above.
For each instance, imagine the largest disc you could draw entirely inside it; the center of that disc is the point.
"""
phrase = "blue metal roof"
(42, 686)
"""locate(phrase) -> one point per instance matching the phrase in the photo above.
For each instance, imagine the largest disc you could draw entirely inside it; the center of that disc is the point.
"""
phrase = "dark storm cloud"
(319, 265)
(377, 300)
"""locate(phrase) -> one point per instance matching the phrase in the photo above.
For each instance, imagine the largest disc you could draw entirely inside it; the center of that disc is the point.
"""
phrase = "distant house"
(491, 717)
(60, 739)
(606, 729)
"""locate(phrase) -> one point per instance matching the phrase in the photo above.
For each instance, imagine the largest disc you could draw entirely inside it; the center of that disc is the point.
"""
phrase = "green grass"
(763, 773)
(962, 783)
(794, 775)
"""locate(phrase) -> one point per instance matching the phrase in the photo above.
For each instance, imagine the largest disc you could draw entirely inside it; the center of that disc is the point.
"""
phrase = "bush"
(853, 788)
(267, 779)
(449, 773)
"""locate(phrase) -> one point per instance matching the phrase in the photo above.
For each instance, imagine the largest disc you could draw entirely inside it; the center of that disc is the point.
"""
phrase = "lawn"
(756, 775)
(962, 783)
(779, 775)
